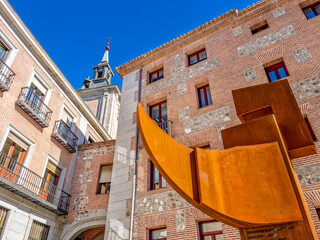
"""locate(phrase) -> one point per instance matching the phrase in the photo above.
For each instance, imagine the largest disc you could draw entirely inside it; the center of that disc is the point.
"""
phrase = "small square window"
(156, 180)
(276, 72)
(158, 234)
(259, 27)
(312, 11)
(156, 75)
(197, 57)
(204, 96)
(210, 230)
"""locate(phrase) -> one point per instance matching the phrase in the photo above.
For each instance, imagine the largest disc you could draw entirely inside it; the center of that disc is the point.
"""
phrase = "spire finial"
(108, 42)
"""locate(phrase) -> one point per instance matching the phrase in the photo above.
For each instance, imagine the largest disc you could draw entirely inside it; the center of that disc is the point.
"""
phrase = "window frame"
(152, 168)
(259, 29)
(198, 58)
(205, 95)
(158, 77)
(212, 234)
(155, 229)
(312, 7)
(12, 49)
(160, 113)
(99, 185)
(275, 68)
(48, 227)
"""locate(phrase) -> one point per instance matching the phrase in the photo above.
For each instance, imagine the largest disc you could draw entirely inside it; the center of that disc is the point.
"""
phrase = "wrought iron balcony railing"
(31, 103)
(26, 183)
(65, 136)
(6, 76)
(165, 126)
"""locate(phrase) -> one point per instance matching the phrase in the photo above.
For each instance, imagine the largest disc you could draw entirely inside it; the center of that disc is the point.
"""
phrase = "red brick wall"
(86, 201)
(228, 76)
(91, 234)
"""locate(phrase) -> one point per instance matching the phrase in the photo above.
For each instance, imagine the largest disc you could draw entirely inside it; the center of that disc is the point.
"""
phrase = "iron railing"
(12, 173)
(65, 136)
(6, 76)
(166, 126)
(30, 102)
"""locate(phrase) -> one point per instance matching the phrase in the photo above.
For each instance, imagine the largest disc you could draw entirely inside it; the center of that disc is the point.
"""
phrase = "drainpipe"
(135, 173)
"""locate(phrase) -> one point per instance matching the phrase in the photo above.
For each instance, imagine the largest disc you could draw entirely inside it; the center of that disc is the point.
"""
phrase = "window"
(156, 75)
(259, 27)
(38, 231)
(67, 117)
(210, 230)
(277, 71)
(12, 157)
(99, 74)
(207, 147)
(312, 10)
(204, 96)
(91, 140)
(318, 212)
(3, 216)
(4, 51)
(50, 182)
(159, 234)
(197, 57)
(104, 179)
(157, 181)
(314, 138)
(158, 113)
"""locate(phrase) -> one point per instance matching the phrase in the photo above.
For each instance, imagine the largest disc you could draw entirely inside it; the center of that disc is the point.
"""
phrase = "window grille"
(3, 216)
(38, 231)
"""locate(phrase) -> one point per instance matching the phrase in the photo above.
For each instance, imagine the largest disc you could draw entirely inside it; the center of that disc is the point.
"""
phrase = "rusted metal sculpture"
(251, 185)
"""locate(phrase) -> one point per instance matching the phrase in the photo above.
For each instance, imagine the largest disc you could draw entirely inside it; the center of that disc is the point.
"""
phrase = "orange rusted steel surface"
(232, 183)
(276, 98)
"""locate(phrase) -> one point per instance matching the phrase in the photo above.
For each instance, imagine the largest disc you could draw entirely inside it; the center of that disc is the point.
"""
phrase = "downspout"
(135, 173)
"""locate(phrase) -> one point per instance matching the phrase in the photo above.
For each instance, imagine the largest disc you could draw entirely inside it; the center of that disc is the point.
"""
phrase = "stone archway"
(73, 230)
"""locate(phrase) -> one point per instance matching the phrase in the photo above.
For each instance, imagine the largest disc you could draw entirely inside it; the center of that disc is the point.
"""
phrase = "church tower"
(102, 97)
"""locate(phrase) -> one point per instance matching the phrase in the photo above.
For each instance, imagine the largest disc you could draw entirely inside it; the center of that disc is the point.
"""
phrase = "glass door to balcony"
(12, 157)
(158, 113)
(50, 182)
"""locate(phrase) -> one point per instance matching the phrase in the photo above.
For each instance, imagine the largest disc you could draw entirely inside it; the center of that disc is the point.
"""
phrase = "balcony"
(65, 136)
(6, 76)
(24, 182)
(31, 103)
(165, 126)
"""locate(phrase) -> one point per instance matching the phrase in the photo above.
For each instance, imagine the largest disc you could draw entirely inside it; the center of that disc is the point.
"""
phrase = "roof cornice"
(233, 18)
(41, 55)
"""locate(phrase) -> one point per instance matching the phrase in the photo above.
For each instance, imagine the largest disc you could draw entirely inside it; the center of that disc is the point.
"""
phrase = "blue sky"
(74, 32)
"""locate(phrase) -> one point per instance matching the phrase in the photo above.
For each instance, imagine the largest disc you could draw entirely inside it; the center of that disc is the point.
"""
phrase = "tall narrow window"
(3, 216)
(12, 157)
(50, 182)
(156, 180)
(210, 230)
(197, 57)
(156, 75)
(38, 231)
(276, 72)
(104, 179)
(312, 10)
(159, 234)
(158, 113)
(204, 96)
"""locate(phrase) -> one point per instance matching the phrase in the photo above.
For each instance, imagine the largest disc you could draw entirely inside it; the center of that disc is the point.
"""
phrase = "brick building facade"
(186, 88)
(46, 163)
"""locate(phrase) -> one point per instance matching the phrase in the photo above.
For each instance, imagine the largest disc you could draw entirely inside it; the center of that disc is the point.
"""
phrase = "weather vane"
(108, 41)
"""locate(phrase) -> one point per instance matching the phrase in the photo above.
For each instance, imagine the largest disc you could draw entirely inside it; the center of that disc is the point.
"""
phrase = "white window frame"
(55, 162)
(13, 50)
(66, 108)
(23, 137)
(35, 74)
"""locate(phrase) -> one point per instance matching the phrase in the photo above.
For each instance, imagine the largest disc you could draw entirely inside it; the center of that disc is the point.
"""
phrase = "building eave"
(232, 18)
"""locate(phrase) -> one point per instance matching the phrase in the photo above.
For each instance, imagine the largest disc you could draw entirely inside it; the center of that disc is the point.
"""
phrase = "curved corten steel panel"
(236, 186)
